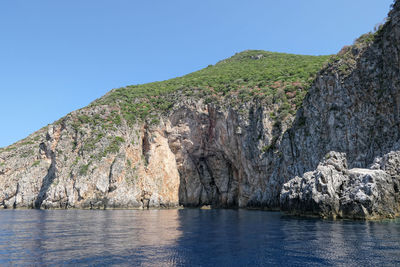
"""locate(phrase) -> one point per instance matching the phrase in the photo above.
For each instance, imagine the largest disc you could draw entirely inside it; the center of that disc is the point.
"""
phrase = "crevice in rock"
(205, 179)
(16, 193)
(111, 187)
(212, 122)
(48, 179)
(182, 191)
(43, 148)
(146, 145)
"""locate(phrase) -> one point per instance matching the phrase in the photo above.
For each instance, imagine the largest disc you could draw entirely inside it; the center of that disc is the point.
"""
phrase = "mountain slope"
(248, 75)
(154, 144)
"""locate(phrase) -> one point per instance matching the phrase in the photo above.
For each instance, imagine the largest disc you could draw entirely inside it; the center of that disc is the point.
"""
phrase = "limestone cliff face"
(208, 154)
(62, 166)
(353, 108)
(197, 155)
(220, 155)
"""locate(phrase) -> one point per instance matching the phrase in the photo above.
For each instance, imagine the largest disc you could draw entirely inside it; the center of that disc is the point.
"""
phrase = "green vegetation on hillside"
(254, 75)
(345, 61)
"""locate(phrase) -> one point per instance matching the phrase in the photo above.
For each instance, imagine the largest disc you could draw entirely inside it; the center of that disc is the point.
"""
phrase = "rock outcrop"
(334, 191)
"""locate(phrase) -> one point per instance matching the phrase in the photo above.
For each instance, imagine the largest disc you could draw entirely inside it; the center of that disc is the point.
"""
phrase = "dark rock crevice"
(146, 144)
(48, 179)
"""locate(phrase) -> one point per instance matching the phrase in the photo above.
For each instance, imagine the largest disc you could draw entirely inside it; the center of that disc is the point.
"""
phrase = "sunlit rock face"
(334, 191)
(58, 174)
(197, 155)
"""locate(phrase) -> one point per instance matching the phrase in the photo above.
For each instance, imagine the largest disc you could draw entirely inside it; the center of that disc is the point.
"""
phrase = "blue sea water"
(192, 237)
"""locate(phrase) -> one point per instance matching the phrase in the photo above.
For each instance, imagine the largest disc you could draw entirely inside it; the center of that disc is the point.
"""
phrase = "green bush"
(27, 153)
(84, 169)
(36, 163)
(114, 146)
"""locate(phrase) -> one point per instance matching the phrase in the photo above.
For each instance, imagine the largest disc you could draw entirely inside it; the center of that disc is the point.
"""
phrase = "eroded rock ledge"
(334, 191)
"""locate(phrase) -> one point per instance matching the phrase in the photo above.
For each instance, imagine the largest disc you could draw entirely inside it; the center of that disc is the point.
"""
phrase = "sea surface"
(191, 237)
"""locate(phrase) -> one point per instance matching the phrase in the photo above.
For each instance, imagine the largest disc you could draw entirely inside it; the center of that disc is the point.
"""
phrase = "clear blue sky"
(58, 56)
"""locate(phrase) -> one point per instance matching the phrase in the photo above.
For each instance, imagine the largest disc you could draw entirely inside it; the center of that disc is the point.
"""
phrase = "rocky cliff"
(231, 135)
(202, 139)
(352, 108)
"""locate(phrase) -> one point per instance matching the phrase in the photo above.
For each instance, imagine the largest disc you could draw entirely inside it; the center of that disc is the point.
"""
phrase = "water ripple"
(192, 238)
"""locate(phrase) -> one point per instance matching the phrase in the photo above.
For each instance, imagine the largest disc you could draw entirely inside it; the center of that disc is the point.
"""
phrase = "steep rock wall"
(197, 155)
(353, 108)
(63, 167)
(355, 111)
(220, 155)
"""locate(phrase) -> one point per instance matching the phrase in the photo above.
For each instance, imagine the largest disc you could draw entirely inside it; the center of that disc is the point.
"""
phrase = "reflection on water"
(191, 237)
(90, 237)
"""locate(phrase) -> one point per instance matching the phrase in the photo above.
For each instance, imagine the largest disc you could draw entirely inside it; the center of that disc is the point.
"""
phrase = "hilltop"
(272, 78)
